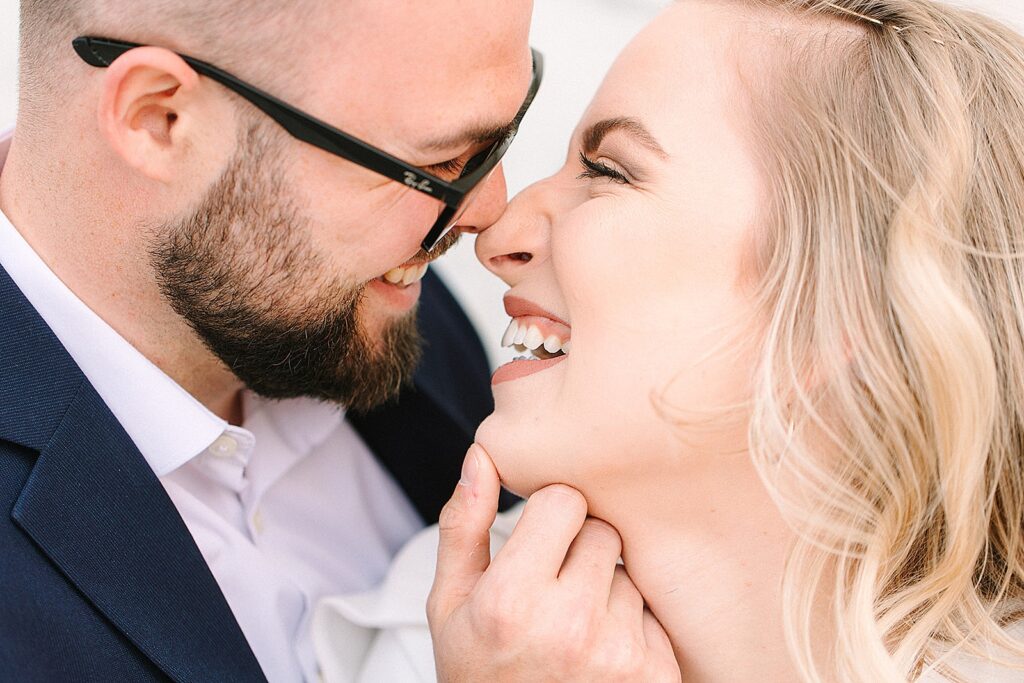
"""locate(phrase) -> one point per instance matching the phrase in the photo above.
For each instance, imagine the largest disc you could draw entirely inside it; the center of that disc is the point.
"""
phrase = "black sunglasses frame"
(101, 52)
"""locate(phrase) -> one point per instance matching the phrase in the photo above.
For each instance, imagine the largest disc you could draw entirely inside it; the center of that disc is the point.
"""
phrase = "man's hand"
(552, 605)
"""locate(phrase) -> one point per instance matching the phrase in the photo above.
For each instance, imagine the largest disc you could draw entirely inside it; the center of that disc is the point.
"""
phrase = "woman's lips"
(518, 369)
(534, 329)
(517, 307)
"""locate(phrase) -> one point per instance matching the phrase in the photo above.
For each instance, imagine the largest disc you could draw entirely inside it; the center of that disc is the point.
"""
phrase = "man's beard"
(243, 272)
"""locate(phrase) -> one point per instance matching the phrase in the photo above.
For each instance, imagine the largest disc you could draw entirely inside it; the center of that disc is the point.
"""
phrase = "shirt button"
(257, 520)
(224, 447)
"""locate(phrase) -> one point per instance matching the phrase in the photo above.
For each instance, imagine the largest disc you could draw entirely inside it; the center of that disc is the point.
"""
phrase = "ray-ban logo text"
(423, 185)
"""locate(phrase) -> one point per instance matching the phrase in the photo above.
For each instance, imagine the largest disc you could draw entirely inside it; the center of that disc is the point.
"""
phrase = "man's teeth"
(406, 276)
(526, 337)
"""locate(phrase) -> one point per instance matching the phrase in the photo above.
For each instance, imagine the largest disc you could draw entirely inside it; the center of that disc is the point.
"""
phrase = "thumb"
(464, 548)
(660, 653)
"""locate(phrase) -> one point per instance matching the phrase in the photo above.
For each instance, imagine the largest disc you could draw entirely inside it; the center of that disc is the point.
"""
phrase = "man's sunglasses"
(455, 195)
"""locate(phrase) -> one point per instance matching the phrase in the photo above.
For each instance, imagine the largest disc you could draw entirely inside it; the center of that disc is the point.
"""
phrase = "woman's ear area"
(147, 110)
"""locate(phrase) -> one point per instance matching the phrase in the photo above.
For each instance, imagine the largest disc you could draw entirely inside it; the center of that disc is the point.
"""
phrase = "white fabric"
(382, 634)
(287, 508)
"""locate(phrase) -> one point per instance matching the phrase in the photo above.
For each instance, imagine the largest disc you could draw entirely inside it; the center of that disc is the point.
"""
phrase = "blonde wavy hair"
(888, 416)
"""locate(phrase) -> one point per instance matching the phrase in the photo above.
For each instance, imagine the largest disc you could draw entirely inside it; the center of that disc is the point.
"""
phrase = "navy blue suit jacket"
(99, 577)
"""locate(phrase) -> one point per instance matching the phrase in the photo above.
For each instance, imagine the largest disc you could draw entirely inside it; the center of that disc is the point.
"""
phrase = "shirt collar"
(166, 423)
(304, 423)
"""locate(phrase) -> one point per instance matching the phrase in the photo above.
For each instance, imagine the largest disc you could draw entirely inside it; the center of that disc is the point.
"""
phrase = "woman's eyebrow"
(593, 136)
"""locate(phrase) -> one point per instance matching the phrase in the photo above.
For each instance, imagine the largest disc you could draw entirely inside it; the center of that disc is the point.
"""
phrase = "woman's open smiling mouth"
(535, 331)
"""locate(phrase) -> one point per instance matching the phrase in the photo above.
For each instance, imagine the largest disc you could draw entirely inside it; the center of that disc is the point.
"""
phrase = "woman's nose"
(518, 241)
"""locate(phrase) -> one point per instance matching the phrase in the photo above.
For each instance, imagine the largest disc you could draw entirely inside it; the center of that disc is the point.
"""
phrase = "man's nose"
(488, 205)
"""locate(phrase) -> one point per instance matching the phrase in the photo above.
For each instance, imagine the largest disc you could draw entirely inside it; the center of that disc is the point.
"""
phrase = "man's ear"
(146, 95)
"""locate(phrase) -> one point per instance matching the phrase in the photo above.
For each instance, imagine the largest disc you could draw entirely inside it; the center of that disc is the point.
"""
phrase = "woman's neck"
(707, 550)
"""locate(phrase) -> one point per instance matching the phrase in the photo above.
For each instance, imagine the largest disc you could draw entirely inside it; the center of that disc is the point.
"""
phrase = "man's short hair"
(234, 34)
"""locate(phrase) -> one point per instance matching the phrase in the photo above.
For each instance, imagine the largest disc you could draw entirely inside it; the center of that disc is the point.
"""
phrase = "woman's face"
(634, 255)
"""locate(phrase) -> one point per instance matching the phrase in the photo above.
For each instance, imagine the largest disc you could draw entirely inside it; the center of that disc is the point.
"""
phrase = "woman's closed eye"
(599, 169)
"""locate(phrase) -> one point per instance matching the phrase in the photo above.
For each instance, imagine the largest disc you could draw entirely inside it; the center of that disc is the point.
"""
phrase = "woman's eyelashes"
(596, 169)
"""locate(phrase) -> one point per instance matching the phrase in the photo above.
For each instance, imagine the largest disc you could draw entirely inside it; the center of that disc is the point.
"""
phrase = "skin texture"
(135, 150)
(653, 277)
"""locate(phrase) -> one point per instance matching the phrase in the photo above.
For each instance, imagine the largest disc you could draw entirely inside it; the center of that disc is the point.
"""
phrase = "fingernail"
(470, 468)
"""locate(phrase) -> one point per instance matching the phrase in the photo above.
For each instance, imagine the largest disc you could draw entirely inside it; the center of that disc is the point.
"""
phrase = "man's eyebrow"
(593, 136)
(477, 135)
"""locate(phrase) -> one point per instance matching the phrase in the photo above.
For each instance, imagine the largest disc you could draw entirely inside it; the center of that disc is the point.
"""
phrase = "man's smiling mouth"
(403, 276)
(413, 270)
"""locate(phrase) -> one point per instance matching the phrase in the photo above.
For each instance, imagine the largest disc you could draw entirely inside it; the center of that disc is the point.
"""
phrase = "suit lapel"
(420, 445)
(95, 508)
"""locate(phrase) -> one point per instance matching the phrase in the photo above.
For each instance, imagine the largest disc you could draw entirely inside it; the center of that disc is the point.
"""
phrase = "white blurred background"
(580, 39)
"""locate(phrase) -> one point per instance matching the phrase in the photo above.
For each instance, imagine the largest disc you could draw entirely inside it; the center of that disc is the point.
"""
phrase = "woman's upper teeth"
(541, 336)
(406, 275)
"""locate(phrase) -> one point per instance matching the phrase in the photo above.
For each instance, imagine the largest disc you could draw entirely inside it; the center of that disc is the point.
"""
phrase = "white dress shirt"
(286, 508)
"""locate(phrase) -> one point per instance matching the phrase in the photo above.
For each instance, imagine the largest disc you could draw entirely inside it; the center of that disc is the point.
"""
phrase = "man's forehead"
(433, 31)
(412, 90)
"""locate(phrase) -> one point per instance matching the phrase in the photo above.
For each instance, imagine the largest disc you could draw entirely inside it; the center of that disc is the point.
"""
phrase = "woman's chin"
(514, 454)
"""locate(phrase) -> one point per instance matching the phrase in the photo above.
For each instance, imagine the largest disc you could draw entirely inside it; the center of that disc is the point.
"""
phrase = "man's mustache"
(439, 250)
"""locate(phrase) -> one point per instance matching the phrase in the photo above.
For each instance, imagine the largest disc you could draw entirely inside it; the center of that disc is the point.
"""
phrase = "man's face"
(281, 269)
